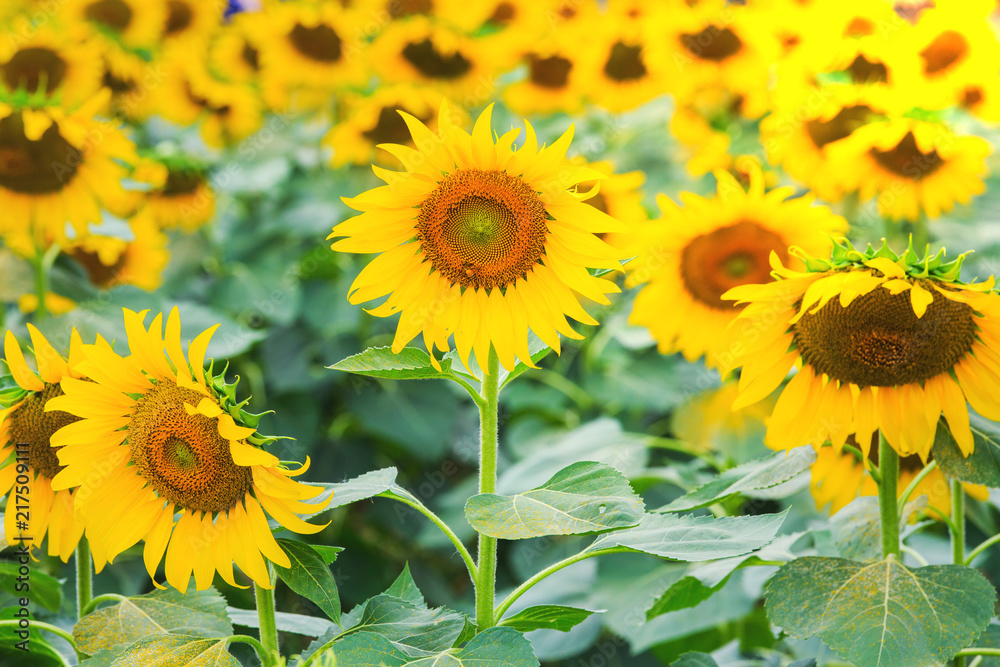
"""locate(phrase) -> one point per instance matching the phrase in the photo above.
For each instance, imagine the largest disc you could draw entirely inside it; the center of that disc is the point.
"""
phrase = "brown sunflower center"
(714, 263)
(947, 49)
(181, 183)
(625, 62)
(320, 43)
(99, 273)
(35, 167)
(179, 17)
(863, 70)
(504, 14)
(113, 14)
(400, 8)
(907, 160)
(878, 341)
(482, 228)
(848, 119)
(972, 96)
(551, 72)
(33, 68)
(117, 85)
(390, 128)
(31, 425)
(712, 43)
(182, 456)
(436, 65)
(251, 56)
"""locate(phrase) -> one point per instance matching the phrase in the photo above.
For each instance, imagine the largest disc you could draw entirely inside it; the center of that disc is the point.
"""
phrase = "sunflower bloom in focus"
(882, 342)
(162, 452)
(480, 241)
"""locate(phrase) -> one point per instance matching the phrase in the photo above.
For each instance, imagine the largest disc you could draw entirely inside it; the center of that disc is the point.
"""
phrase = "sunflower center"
(714, 263)
(100, 274)
(907, 160)
(181, 183)
(972, 96)
(114, 14)
(390, 128)
(712, 43)
(251, 56)
(848, 119)
(400, 8)
(947, 49)
(878, 341)
(433, 64)
(31, 425)
(551, 72)
(179, 17)
(32, 68)
(482, 229)
(182, 456)
(505, 13)
(625, 63)
(35, 167)
(863, 70)
(319, 43)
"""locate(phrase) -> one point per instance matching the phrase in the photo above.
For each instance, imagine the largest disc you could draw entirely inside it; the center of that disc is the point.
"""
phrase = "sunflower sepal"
(10, 392)
(845, 257)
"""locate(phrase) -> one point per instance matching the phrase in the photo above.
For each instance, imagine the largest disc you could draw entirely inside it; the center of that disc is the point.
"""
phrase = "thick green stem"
(84, 578)
(266, 659)
(265, 613)
(486, 569)
(888, 465)
(958, 537)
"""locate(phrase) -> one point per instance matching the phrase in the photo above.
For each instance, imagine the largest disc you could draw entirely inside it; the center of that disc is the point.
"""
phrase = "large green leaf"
(367, 649)
(15, 651)
(695, 660)
(856, 529)
(406, 589)
(46, 590)
(881, 614)
(753, 476)
(410, 625)
(494, 647)
(309, 576)
(693, 538)
(585, 497)
(982, 466)
(362, 487)
(200, 614)
(299, 624)
(547, 617)
(379, 362)
(177, 651)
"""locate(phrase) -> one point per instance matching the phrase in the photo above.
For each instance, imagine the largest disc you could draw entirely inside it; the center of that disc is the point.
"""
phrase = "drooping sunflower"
(26, 429)
(694, 254)
(109, 261)
(881, 341)
(912, 166)
(187, 473)
(52, 63)
(59, 167)
(480, 241)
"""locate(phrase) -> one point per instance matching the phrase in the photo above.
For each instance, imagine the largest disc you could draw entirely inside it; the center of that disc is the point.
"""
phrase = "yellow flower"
(554, 80)
(709, 423)
(708, 146)
(882, 342)
(480, 241)
(180, 195)
(191, 22)
(693, 255)
(55, 304)
(56, 64)
(163, 453)
(26, 429)
(620, 196)
(110, 261)
(234, 52)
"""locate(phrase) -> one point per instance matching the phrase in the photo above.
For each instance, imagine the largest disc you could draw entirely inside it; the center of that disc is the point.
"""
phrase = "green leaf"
(309, 576)
(380, 362)
(982, 466)
(362, 487)
(695, 660)
(684, 593)
(406, 589)
(989, 639)
(881, 614)
(411, 625)
(547, 617)
(177, 651)
(45, 590)
(585, 497)
(693, 538)
(39, 652)
(200, 613)
(753, 476)
(327, 553)
(299, 624)
(857, 528)
(494, 647)
(367, 649)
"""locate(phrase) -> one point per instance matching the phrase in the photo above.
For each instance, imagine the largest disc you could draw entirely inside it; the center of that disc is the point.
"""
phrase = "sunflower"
(179, 194)
(26, 429)
(838, 477)
(882, 342)
(192, 21)
(51, 63)
(55, 304)
(109, 261)
(912, 166)
(708, 422)
(554, 78)
(369, 120)
(59, 167)
(480, 240)
(164, 453)
(694, 254)
(234, 52)
(620, 196)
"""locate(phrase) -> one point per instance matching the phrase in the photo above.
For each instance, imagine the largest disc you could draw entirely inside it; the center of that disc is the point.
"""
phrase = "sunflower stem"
(958, 538)
(888, 465)
(265, 613)
(486, 568)
(84, 578)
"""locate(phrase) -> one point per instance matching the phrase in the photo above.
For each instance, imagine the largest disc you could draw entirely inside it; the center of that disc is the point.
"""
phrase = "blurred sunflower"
(53, 172)
(234, 52)
(912, 166)
(693, 255)
(109, 261)
(625, 67)
(192, 21)
(883, 342)
(188, 475)
(708, 422)
(707, 140)
(480, 240)
(53, 64)
(553, 82)
(25, 421)
(620, 196)
(180, 195)
(55, 304)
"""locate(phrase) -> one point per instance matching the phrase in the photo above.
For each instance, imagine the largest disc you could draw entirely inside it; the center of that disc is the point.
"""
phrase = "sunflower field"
(499, 333)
